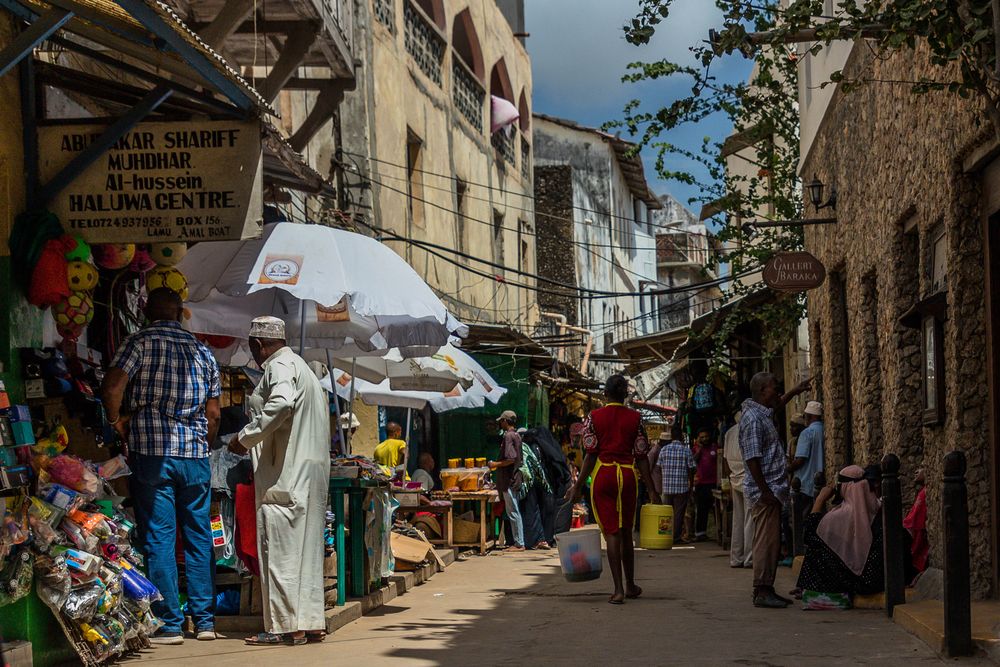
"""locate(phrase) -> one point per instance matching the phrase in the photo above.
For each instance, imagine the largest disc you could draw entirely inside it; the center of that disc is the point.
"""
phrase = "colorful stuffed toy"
(80, 251)
(142, 262)
(49, 279)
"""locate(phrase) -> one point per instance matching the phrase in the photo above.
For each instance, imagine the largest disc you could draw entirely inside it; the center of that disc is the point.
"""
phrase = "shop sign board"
(161, 182)
(794, 272)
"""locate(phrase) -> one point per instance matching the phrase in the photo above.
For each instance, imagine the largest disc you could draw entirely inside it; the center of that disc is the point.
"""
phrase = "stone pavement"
(504, 609)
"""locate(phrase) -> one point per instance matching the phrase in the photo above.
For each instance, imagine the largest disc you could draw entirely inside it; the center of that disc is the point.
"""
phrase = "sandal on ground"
(614, 600)
(634, 593)
(271, 639)
(315, 637)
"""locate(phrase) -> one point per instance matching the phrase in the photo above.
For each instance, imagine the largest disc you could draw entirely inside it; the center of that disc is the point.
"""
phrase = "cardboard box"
(16, 654)
(408, 549)
(23, 433)
(407, 498)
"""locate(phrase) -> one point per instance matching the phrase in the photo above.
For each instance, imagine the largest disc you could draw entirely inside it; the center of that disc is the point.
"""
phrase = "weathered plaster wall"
(395, 97)
(896, 160)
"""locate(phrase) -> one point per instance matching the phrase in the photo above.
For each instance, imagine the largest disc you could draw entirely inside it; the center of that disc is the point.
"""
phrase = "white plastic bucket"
(580, 554)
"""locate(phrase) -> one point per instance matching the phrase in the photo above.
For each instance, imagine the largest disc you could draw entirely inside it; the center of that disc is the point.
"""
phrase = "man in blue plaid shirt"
(677, 467)
(765, 485)
(169, 419)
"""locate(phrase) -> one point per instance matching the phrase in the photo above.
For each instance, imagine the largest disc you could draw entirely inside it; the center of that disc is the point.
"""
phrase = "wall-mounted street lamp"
(816, 188)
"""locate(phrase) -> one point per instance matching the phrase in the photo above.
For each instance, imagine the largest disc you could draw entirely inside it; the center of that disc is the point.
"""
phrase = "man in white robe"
(289, 439)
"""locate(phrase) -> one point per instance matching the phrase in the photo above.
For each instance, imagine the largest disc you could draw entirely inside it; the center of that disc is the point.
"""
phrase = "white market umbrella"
(349, 290)
(482, 388)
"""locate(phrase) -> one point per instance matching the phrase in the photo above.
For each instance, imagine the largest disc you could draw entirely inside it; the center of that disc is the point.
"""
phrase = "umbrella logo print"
(281, 269)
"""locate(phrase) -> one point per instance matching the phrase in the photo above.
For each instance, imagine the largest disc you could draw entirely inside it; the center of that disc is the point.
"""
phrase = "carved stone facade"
(898, 161)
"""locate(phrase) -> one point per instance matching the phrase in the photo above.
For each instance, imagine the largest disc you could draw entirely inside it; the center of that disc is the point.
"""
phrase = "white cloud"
(578, 48)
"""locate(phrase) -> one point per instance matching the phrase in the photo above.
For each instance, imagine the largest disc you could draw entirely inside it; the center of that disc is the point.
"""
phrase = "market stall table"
(485, 498)
(355, 489)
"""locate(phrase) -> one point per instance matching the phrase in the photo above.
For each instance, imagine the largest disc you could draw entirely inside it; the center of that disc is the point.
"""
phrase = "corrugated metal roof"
(111, 18)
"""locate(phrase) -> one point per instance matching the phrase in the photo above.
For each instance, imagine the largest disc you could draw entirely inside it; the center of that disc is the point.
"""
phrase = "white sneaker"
(205, 635)
(167, 639)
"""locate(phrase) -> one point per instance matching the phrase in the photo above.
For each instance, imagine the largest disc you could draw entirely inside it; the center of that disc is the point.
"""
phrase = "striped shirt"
(759, 440)
(171, 376)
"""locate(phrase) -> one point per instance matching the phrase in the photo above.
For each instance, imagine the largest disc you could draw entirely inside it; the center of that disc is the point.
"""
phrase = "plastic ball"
(75, 310)
(82, 276)
(70, 332)
(169, 277)
(168, 254)
(80, 252)
(114, 255)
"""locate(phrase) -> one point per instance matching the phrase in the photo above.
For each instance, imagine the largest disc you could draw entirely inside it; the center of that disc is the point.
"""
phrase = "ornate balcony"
(385, 12)
(503, 141)
(467, 93)
(423, 42)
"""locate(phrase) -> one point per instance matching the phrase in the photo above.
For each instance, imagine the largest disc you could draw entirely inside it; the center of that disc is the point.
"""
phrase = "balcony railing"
(503, 141)
(385, 12)
(525, 159)
(467, 93)
(423, 42)
(341, 14)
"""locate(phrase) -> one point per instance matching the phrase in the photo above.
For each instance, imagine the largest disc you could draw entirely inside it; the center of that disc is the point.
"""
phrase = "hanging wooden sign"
(170, 181)
(794, 272)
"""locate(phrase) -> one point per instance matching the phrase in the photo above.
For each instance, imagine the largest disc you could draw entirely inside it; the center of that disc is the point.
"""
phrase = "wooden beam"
(229, 18)
(326, 105)
(261, 27)
(107, 139)
(296, 47)
(34, 34)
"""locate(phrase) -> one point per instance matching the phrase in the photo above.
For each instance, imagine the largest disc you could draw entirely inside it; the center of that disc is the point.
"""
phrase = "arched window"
(468, 70)
(503, 139)
(525, 113)
(500, 82)
(435, 12)
(465, 43)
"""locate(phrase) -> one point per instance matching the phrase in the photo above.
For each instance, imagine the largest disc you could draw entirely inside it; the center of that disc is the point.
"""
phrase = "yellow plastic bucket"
(656, 527)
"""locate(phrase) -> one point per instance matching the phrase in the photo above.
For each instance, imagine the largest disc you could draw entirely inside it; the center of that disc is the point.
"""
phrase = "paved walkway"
(517, 609)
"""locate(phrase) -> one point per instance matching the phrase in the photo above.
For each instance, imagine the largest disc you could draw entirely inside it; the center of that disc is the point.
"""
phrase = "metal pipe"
(564, 326)
(336, 401)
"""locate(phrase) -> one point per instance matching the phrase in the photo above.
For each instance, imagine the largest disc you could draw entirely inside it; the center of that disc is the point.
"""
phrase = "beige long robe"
(289, 433)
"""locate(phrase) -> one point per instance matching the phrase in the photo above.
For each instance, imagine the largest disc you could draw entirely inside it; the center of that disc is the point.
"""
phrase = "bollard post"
(957, 605)
(798, 539)
(893, 558)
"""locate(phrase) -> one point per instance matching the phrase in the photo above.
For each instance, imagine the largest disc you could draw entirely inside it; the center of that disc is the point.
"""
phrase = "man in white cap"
(289, 439)
(808, 458)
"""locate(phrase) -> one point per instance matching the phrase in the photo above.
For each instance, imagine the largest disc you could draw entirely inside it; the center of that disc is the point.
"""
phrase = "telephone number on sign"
(117, 223)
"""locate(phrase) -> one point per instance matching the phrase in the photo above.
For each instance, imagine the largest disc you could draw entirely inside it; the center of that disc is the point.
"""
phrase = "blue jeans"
(514, 517)
(171, 492)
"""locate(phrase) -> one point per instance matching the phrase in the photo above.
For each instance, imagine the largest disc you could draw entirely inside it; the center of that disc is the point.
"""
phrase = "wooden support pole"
(893, 560)
(40, 29)
(322, 111)
(296, 48)
(957, 604)
(226, 22)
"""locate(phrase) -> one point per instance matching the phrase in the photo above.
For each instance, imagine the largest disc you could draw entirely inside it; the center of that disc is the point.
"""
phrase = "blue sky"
(579, 53)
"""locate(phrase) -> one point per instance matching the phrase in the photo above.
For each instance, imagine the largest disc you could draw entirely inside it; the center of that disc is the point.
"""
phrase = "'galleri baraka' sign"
(180, 181)
(794, 272)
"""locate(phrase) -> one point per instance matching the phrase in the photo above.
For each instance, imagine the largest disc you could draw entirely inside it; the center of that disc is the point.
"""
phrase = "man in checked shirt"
(765, 485)
(171, 417)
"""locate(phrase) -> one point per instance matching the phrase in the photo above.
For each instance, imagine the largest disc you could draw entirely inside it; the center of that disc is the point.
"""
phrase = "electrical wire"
(503, 191)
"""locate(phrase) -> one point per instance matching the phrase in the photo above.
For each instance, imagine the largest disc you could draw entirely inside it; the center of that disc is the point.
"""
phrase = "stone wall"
(554, 224)
(897, 161)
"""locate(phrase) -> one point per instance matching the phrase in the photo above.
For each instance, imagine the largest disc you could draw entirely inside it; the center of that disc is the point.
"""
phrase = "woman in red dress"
(616, 446)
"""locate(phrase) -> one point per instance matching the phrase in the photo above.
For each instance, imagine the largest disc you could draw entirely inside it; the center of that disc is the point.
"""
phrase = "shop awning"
(645, 352)
(284, 167)
(502, 339)
(147, 31)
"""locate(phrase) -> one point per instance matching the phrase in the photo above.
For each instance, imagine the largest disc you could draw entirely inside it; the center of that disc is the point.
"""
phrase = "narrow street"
(517, 609)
